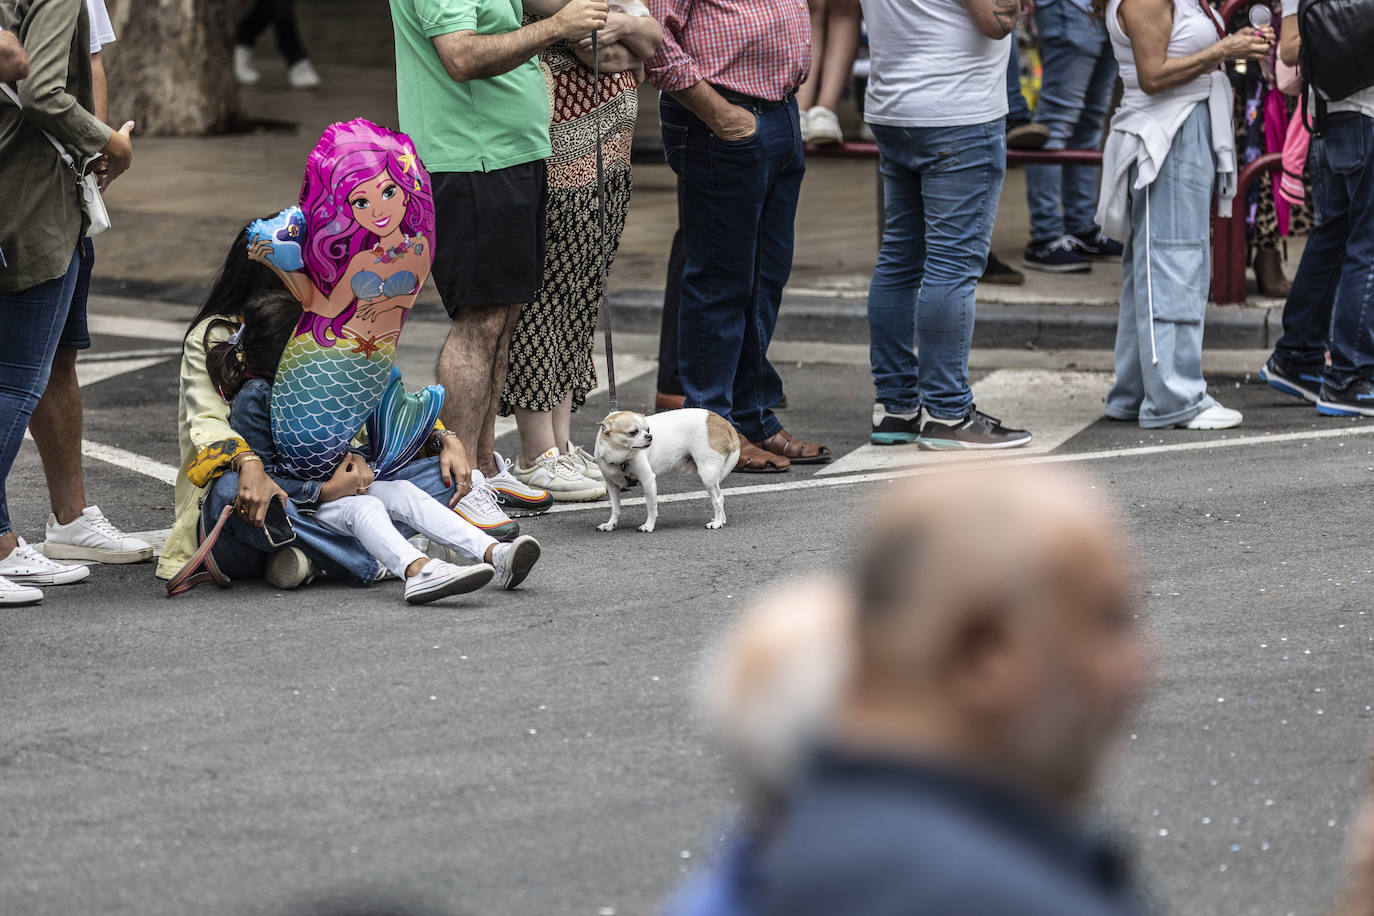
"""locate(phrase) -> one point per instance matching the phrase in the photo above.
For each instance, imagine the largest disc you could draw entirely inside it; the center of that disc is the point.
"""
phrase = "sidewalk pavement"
(181, 205)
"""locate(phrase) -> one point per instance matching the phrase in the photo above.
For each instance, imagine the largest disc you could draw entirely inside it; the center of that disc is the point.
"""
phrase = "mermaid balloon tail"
(398, 428)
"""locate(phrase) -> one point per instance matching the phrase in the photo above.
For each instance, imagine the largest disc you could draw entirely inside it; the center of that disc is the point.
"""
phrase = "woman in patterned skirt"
(551, 367)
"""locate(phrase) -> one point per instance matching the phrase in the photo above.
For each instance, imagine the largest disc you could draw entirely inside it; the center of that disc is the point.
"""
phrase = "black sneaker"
(1354, 400)
(977, 430)
(1096, 245)
(1057, 256)
(889, 429)
(1001, 273)
(1299, 383)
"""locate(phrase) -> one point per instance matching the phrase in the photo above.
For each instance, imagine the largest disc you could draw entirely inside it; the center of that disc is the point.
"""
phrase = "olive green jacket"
(41, 215)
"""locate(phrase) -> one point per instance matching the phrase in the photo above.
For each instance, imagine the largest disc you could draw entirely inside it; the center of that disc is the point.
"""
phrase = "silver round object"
(1260, 16)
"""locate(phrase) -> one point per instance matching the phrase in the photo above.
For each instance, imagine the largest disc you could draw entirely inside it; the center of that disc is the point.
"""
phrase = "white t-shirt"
(931, 67)
(1362, 101)
(102, 32)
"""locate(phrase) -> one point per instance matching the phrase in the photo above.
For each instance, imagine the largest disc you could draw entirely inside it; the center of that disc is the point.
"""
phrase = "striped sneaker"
(480, 508)
(517, 498)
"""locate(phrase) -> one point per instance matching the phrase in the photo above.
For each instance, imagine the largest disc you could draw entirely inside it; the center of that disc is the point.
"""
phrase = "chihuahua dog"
(634, 449)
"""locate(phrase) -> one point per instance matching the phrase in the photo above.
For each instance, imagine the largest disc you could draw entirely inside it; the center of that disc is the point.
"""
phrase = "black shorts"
(489, 236)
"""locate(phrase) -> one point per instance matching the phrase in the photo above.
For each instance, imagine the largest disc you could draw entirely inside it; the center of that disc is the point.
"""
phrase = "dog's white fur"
(632, 448)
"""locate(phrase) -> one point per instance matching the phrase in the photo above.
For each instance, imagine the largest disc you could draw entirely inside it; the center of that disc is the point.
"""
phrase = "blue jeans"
(1079, 73)
(1332, 301)
(1165, 272)
(242, 549)
(33, 323)
(737, 209)
(1018, 112)
(940, 189)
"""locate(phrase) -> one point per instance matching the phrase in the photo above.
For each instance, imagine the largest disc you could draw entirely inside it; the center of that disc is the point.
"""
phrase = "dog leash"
(601, 225)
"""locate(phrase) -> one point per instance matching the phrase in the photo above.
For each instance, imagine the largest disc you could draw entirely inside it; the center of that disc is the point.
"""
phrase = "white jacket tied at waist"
(1141, 135)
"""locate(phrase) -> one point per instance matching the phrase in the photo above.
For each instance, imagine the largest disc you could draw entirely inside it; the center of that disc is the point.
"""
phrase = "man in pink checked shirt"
(729, 71)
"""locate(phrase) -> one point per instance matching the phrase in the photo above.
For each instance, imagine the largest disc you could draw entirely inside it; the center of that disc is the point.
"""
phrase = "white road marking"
(1054, 406)
(88, 372)
(142, 328)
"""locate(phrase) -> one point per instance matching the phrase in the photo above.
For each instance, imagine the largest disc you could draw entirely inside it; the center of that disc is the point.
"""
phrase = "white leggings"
(368, 518)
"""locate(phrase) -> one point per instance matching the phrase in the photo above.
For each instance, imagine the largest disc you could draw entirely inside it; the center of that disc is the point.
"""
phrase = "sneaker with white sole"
(1062, 255)
(91, 537)
(26, 566)
(290, 568)
(514, 561)
(561, 477)
(1214, 417)
(585, 462)
(481, 508)
(244, 70)
(518, 499)
(14, 594)
(976, 430)
(301, 75)
(1293, 381)
(438, 579)
(822, 126)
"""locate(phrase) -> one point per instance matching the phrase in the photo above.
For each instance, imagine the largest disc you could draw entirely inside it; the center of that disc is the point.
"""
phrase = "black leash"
(601, 225)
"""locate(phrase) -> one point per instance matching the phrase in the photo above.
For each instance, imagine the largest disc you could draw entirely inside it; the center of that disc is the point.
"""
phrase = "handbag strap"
(56, 144)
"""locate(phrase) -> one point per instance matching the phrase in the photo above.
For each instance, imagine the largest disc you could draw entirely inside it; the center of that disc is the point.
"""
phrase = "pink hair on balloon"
(348, 154)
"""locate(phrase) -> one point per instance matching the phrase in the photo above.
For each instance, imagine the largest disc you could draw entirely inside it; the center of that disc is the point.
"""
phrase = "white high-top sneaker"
(244, 71)
(301, 75)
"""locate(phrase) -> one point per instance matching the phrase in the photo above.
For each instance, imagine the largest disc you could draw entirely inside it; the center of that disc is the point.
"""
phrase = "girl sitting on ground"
(351, 502)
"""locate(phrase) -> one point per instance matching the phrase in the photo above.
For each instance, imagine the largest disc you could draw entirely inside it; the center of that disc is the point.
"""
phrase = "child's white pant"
(368, 518)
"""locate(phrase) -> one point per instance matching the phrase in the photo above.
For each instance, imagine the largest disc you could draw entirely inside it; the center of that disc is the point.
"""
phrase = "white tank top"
(1195, 29)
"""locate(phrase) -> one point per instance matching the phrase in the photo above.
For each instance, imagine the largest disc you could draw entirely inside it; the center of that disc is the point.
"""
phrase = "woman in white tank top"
(1171, 143)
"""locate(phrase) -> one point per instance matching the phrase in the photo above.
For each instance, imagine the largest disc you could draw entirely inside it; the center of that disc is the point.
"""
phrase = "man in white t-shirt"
(14, 63)
(1331, 305)
(936, 101)
(78, 531)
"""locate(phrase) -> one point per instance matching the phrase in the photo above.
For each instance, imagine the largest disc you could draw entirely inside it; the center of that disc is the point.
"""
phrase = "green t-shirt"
(477, 126)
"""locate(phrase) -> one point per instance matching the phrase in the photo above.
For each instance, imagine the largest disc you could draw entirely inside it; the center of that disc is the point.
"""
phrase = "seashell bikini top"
(367, 285)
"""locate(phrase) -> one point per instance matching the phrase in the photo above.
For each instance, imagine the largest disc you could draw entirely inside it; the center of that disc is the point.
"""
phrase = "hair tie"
(236, 338)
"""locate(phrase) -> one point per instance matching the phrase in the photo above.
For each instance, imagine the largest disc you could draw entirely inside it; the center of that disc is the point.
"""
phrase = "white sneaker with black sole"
(977, 430)
(514, 561)
(438, 579)
(26, 566)
(290, 568)
(13, 594)
(90, 537)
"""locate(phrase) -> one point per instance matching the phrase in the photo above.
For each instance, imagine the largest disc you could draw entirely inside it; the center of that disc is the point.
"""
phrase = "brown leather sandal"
(795, 450)
(755, 460)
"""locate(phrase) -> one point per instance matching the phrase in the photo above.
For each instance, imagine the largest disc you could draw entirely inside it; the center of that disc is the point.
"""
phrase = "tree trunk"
(171, 66)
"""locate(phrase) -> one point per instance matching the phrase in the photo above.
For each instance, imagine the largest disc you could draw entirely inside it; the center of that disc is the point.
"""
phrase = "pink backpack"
(1294, 159)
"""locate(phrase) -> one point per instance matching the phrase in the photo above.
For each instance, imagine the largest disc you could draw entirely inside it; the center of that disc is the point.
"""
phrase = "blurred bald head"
(994, 625)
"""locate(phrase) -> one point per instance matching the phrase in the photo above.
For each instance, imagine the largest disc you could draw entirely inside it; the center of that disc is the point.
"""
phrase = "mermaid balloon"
(367, 217)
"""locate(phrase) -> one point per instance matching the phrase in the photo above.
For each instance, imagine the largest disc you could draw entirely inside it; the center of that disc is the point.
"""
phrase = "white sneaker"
(561, 477)
(243, 67)
(480, 508)
(301, 75)
(804, 121)
(26, 566)
(823, 126)
(514, 561)
(1214, 417)
(290, 568)
(14, 594)
(585, 462)
(92, 537)
(438, 579)
(516, 498)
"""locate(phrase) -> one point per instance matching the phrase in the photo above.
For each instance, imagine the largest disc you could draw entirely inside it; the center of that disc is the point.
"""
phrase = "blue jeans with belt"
(737, 208)
(940, 190)
(1165, 276)
(33, 323)
(1332, 301)
(1076, 89)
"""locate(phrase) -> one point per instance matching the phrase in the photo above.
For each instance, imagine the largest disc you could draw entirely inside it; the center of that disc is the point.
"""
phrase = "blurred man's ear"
(983, 669)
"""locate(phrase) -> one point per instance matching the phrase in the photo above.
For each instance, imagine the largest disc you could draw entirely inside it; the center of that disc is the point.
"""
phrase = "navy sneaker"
(890, 429)
(1096, 245)
(977, 430)
(1354, 400)
(1295, 382)
(1057, 256)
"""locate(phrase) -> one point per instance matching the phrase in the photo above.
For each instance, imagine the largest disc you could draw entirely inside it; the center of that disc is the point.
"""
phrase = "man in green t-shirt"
(472, 97)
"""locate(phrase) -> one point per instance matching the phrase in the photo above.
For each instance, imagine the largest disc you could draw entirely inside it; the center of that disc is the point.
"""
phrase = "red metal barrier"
(1228, 235)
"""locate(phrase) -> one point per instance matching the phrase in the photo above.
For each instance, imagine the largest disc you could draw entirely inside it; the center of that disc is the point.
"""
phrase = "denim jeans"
(1164, 282)
(737, 209)
(33, 323)
(940, 189)
(243, 549)
(1332, 301)
(1075, 92)
(1017, 109)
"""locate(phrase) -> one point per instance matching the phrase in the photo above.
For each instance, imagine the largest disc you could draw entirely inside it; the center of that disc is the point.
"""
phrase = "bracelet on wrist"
(436, 439)
(241, 460)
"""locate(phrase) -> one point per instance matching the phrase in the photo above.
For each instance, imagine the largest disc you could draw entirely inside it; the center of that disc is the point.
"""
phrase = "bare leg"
(536, 434)
(562, 422)
(841, 45)
(484, 459)
(9, 540)
(475, 342)
(806, 93)
(56, 429)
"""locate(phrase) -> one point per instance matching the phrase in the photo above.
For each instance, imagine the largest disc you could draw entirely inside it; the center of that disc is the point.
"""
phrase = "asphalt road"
(535, 752)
